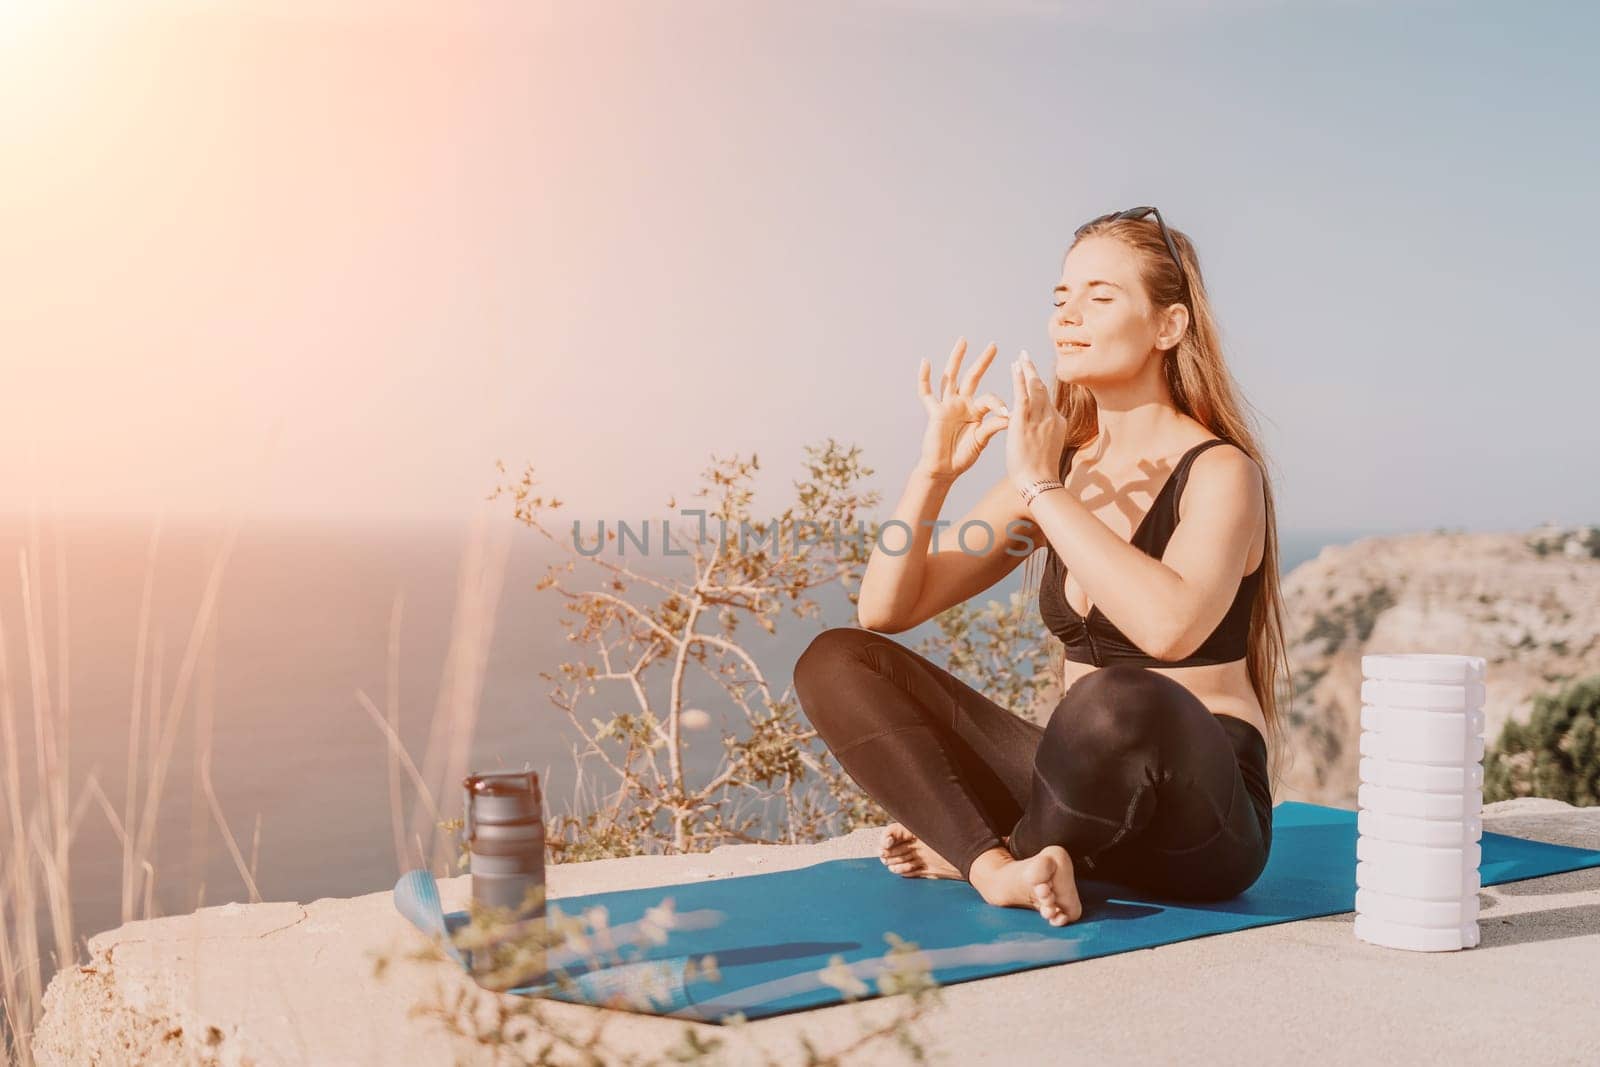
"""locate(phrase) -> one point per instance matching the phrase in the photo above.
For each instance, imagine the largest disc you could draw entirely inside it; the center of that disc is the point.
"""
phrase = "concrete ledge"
(292, 983)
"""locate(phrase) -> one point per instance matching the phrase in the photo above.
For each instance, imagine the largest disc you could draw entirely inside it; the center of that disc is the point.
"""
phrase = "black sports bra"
(1096, 639)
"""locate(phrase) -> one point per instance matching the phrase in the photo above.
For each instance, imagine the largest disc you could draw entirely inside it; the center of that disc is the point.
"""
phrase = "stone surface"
(293, 983)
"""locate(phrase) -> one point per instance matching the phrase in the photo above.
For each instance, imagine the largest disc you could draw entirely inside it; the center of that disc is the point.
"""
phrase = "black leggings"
(1133, 776)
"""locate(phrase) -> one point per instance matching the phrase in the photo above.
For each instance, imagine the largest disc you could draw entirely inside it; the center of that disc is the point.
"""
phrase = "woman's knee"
(833, 656)
(1117, 706)
(831, 649)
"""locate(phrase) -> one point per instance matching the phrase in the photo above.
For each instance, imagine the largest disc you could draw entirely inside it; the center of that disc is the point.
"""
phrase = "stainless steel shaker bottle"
(504, 824)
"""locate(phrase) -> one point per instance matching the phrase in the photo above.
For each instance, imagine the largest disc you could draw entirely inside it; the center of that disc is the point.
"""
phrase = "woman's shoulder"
(1200, 443)
(1225, 468)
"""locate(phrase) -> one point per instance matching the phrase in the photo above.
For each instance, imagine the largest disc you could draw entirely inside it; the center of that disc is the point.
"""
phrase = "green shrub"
(1555, 754)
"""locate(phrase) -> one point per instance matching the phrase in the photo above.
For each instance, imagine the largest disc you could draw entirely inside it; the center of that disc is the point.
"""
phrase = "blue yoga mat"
(792, 940)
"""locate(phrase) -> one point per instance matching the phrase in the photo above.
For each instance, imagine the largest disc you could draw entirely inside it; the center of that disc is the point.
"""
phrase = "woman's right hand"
(956, 433)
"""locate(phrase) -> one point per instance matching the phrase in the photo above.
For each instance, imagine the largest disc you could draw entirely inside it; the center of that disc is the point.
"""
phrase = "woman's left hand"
(1036, 432)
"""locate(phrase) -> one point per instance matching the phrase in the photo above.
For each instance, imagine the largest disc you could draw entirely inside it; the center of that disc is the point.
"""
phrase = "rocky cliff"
(1528, 602)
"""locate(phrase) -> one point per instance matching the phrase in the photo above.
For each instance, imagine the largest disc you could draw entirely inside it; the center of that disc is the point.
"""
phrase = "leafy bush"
(640, 652)
(1555, 754)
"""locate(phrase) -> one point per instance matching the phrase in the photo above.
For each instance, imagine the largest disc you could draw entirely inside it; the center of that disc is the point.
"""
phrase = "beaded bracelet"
(1033, 489)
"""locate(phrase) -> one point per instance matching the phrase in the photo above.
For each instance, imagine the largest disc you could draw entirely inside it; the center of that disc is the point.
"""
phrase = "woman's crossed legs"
(1132, 776)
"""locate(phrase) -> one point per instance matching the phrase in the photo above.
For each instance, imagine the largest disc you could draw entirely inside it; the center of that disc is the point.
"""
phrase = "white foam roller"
(1378, 716)
(1412, 912)
(1422, 695)
(1413, 831)
(1410, 749)
(1424, 862)
(1463, 805)
(1397, 881)
(1455, 858)
(1423, 777)
(1416, 938)
(1437, 668)
(1427, 731)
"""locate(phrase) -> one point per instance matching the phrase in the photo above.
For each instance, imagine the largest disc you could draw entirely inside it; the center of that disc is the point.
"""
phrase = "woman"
(1139, 478)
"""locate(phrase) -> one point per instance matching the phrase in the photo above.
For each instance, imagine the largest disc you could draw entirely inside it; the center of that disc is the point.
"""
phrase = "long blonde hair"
(1203, 389)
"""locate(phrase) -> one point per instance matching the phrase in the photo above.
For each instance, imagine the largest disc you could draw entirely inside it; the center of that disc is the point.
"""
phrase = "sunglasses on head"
(1139, 213)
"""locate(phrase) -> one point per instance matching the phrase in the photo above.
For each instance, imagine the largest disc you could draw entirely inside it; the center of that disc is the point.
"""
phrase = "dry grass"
(37, 841)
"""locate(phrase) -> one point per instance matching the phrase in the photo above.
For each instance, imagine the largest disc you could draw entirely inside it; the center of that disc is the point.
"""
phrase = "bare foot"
(905, 854)
(1044, 882)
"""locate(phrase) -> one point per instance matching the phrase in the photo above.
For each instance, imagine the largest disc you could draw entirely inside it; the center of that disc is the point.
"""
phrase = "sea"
(309, 616)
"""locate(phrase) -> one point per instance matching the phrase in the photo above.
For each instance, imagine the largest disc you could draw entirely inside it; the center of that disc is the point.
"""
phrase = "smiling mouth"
(1072, 344)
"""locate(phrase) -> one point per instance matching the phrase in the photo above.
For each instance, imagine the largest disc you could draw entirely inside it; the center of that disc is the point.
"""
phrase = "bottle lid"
(502, 783)
(498, 797)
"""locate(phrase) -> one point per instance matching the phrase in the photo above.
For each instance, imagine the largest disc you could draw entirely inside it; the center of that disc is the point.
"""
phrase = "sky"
(323, 259)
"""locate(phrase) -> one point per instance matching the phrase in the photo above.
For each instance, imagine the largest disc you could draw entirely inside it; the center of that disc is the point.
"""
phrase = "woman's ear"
(1176, 324)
